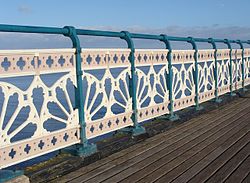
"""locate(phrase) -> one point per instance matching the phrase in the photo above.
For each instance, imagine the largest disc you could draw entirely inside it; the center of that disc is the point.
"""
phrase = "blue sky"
(217, 18)
(123, 13)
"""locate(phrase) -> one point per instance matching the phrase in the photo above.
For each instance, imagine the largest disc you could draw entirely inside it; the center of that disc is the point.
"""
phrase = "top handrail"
(64, 31)
(32, 29)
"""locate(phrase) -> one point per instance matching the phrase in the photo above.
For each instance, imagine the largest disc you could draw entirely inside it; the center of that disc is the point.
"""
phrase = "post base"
(138, 130)
(199, 108)
(135, 131)
(218, 100)
(82, 150)
(170, 117)
(7, 175)
(232, 94)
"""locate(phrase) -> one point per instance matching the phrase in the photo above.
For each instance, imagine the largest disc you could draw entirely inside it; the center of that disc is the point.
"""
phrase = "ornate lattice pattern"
(206, 63)
(247, 66)
(27, 125)
(152, 90)
(237, 68)
(108, 104)
(183, 78)
(37, 102)
(223, 71)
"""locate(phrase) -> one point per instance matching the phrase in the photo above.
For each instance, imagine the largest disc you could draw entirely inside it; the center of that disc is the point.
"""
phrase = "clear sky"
(123, 13)
(220, 18)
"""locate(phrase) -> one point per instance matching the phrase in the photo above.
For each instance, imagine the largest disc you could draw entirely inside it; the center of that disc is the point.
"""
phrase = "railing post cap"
(211, 39)
(74, 38)
(193, 43)
(239, 43)
(71, 30)
(126, 34)
(190, 39)
(164, 37)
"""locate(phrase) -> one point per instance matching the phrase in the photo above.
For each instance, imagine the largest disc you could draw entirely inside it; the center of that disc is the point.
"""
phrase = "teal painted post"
(226, 41)
(84, 148)
(242, 65)
(137, 129)
(169, 79)
(211, 41)
(195, 73)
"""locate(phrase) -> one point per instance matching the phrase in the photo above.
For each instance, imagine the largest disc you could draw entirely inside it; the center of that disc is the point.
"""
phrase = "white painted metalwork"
(223, 72)
(108, 102)
(19, 110)
(106, 81)
(247, 66)
(152, 90)
(183, 78)
(237, 68)
(206, 64)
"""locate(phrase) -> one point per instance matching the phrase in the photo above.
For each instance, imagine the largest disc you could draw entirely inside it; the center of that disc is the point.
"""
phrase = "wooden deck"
(213, 147)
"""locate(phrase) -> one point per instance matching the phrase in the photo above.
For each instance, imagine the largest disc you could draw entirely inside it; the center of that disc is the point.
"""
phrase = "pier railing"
(51, 99)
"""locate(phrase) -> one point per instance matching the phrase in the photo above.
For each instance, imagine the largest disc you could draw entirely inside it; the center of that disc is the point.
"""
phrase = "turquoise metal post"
(211, 41)
(226, 41)
(195, 73)
(137, 129)
(242, 65)
(169, 79)
(84, 148)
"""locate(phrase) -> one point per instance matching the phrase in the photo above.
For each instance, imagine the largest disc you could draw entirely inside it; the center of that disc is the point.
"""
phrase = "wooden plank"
(201, 164)
(121, 167)
(205, 147)
(216, 165)
(174, 131)
(176, 150)
(160, 161)
(169, 134)
(99, 171)
(227, 169)
(246, 179)
(241, 172)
